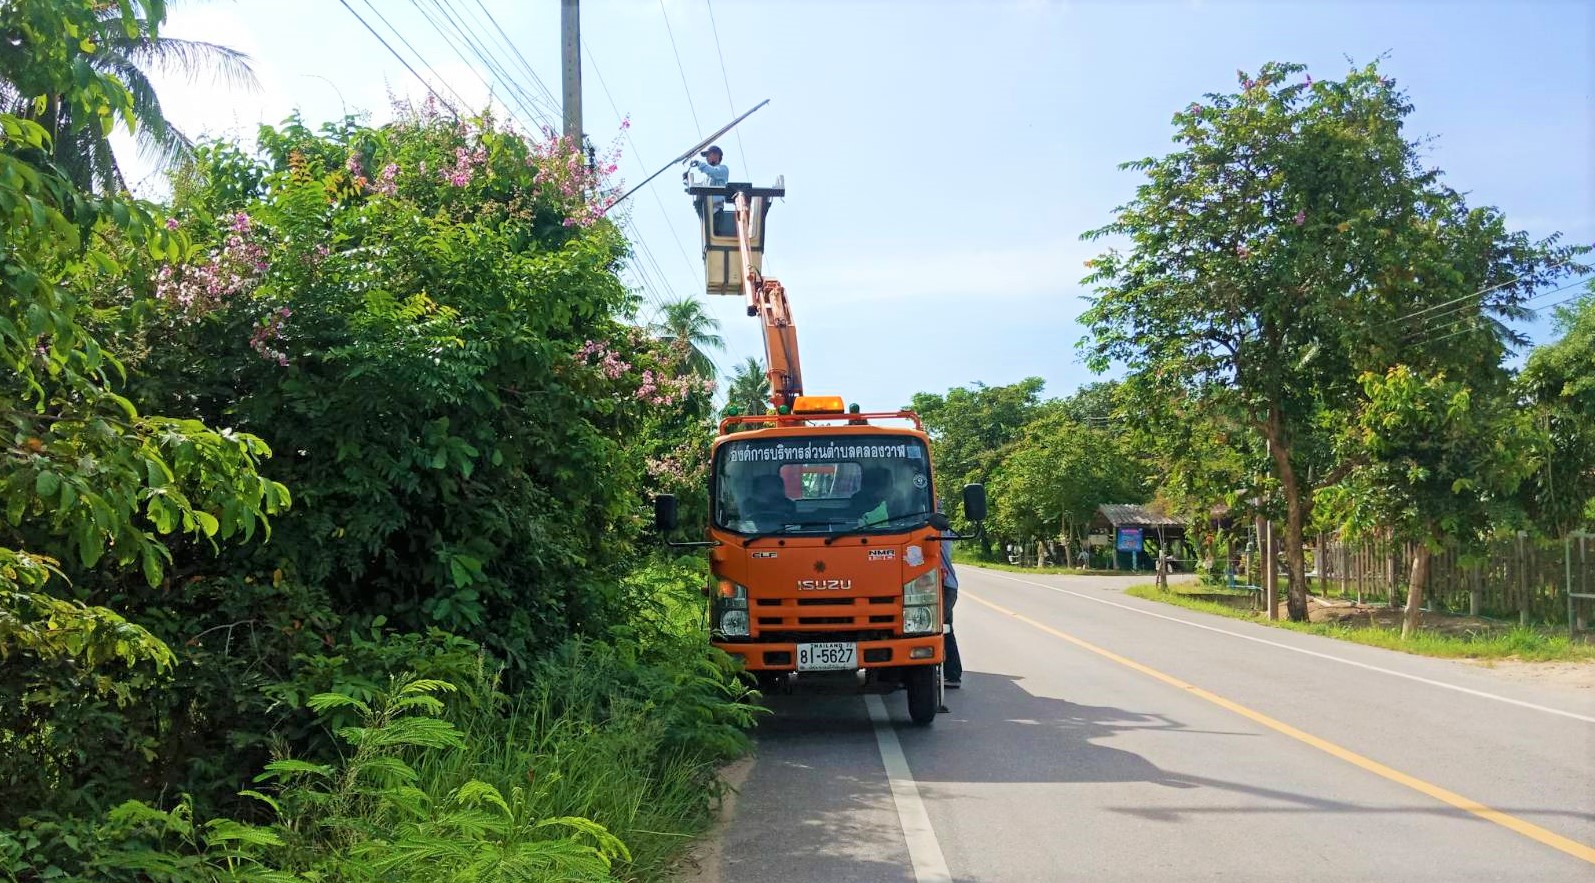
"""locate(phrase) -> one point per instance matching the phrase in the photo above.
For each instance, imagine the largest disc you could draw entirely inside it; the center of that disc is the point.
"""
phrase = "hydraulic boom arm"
(767, 300)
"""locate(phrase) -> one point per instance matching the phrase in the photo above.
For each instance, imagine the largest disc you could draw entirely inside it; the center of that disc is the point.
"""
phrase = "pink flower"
(1196, 108)
(1301, 218)
(1242, 251)
(388, 183)
(241, 224)
(171, 223)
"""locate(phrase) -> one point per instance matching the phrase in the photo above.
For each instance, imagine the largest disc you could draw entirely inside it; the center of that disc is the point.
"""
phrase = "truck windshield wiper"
(785, 528)
(882, 525)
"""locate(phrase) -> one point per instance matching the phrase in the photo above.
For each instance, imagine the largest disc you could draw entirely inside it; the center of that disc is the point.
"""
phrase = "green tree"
(122, 42)
(1057, 474)
(687, 326)
(748, 387)
(970, 431)
(90, 480)
(1437, 463)
(1559, 382)
(1294, 242)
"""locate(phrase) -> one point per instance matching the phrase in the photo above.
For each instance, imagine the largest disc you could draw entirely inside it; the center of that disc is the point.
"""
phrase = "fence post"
(1583, 569)
(1567, 586)
(1362, 567)
(1523, 583)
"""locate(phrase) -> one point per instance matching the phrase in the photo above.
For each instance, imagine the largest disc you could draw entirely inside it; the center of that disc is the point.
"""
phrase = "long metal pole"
(571, 43)
(685, 156)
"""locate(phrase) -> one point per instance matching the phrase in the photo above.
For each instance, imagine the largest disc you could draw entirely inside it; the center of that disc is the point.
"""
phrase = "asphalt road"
(1101, 737)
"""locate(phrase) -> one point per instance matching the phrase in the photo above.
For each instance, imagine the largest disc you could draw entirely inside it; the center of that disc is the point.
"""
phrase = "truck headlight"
(732, 595)
(919, 619)
(924, 589)
(734, 623)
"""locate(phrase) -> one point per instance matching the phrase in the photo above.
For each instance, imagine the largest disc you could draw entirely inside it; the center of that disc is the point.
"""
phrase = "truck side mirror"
(665, 512)
(975, 501)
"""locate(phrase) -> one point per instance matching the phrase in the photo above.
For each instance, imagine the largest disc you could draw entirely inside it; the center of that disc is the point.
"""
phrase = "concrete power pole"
(571, 31)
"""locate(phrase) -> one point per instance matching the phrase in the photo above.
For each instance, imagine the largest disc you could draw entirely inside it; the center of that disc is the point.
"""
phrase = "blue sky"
(942, 158)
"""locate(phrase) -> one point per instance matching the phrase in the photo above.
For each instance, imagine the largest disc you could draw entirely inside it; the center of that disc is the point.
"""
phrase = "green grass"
(587, 742)
(1521, 642)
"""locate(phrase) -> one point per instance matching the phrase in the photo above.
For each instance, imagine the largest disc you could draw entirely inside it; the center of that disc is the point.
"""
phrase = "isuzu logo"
(824, 585)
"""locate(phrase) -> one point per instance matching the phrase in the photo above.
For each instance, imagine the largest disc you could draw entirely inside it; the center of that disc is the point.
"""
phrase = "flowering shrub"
(408, 323)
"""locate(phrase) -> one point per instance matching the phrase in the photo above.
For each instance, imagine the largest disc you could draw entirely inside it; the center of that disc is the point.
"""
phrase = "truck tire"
(921, 682)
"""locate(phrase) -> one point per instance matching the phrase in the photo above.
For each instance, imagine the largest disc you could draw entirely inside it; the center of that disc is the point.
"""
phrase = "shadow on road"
(997, 731)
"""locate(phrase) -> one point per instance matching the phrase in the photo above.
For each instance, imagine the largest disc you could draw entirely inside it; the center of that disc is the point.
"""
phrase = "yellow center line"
(1527, 829)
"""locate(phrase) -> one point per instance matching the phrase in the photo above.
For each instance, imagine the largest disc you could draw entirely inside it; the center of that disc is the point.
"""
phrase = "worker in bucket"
(719, 175)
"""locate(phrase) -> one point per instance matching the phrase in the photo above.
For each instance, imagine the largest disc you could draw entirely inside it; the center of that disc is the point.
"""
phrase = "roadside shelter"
(1136, 533)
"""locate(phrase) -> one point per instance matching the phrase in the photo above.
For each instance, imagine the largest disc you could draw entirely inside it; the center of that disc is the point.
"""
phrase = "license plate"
(835, 656)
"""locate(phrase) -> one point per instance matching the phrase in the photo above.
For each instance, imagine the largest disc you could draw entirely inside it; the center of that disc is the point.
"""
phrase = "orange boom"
(824, 534)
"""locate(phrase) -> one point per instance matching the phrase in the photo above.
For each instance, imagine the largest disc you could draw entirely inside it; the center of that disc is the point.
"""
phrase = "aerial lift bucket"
(722, 252)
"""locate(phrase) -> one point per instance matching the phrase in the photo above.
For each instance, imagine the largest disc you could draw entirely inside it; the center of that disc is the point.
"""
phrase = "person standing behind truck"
(953, 668)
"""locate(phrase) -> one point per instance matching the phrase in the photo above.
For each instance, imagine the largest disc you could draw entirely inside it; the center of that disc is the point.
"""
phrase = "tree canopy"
(1294, 242)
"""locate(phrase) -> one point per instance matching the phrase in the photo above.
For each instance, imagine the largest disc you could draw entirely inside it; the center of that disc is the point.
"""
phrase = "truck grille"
(826, 616)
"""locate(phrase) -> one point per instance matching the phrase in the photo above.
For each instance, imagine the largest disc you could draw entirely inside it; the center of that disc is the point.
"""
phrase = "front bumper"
(782, 656)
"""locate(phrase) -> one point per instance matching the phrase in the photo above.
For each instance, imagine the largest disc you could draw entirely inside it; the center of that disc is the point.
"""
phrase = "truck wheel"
(921, 683)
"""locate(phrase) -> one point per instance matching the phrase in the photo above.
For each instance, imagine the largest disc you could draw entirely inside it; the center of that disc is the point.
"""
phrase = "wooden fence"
(1531, 580)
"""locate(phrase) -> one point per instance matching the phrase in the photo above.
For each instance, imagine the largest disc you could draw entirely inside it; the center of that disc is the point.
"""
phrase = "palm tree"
(685, 324)
(81, 148)
(748, 388)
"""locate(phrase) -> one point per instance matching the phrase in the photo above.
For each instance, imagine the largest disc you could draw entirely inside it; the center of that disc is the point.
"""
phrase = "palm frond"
(158, 140)
(192, 58)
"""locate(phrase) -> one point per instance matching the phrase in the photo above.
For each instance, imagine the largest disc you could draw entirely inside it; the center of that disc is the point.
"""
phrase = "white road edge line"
(1422, 680)
(923, 848)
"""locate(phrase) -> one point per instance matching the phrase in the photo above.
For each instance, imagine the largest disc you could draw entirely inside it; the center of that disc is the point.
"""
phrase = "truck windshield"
(818, 485)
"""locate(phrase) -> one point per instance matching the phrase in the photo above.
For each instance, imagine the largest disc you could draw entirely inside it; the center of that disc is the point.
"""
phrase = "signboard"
(1099, 539)
(823, 450)
(1129, 539)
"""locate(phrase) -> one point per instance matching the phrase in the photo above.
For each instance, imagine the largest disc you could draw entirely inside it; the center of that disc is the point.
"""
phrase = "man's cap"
(713, 148)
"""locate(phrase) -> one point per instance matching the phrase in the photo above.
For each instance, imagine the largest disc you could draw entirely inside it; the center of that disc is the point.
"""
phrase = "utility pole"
(571, 30)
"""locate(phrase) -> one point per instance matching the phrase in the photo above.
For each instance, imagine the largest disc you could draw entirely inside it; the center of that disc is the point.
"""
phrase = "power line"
(515, 52)
(651, 281)
(726, 78)
(1526, 301)
(692, 268)
(460, 40)
(1466, 329)
(459, 53)
(495, 65)
(1483, 291)
(1462, 325)
(647, 282)
(679, 66)
(402, 60)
